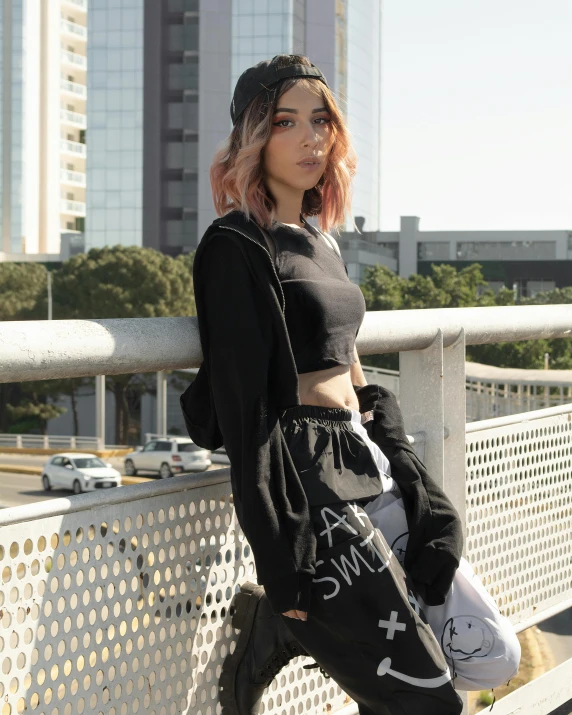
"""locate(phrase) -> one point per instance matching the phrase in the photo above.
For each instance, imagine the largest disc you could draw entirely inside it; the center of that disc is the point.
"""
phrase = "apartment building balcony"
(73, 178)
(73, 59)
(76, 4)
(72, 208)
(73, 148)
(73, 88)
(75, 119)
(73, 29)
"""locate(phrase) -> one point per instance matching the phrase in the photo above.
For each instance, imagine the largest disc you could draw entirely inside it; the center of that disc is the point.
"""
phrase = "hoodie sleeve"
(435, 543)
(269, 499)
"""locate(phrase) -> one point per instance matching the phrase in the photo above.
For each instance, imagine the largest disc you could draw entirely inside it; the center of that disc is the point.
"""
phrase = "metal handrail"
(33, 350)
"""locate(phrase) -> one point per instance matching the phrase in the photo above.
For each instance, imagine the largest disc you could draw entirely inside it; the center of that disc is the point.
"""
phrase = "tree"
(124, 282)
(23, 287)
(34, 408)
(444, 288)
(448, 288)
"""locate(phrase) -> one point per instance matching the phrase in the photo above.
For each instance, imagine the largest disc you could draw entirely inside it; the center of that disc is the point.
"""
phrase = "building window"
(175, 115)
(174, 233)
(174, 155)
(191, 33)
(174, 194)
(506, 251)
(539, 286)
(433, 251)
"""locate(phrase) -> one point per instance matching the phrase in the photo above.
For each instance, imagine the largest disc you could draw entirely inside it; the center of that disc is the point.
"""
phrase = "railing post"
(19, 441)
(455, 421)
(432, 396)
(421, 401)
(161, 403)
(100, 411)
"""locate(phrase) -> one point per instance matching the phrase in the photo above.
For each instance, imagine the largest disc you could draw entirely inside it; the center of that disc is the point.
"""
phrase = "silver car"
(167, 456)
(79, 472)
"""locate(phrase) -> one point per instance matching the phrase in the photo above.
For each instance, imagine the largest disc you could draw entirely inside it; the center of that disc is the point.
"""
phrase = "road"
(17, 489)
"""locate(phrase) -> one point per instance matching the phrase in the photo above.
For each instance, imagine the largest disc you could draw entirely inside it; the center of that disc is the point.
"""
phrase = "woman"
(282, 387)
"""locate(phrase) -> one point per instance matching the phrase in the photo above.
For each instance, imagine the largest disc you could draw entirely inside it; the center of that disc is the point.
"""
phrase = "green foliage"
(382, 288)
(448, 288)
(23, 287)
(123, 282)
(550, 297)
(42, 411)
(486, 697)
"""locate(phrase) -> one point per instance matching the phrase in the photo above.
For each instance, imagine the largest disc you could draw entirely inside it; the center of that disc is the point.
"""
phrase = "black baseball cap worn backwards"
(262, 76)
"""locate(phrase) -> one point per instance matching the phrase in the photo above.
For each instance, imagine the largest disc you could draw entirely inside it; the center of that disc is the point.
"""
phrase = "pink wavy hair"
(236, 176)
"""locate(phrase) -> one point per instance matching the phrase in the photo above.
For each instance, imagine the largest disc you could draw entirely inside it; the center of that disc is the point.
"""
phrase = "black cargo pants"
(365, 627)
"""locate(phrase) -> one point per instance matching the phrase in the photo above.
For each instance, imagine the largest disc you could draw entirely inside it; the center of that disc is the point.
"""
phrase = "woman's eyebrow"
(295, 111)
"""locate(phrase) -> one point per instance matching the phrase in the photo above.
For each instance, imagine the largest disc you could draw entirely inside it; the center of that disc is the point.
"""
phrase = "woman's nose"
(311, 134)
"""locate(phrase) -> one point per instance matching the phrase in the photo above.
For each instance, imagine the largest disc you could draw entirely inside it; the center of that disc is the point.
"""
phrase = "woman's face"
(301, 127)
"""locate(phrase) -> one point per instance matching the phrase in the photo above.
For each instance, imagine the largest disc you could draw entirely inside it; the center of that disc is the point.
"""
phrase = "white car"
(167, 456)
(219, 456)
(80, 472)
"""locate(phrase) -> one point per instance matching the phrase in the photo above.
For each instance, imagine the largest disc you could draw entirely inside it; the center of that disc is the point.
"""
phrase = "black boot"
(263, 648)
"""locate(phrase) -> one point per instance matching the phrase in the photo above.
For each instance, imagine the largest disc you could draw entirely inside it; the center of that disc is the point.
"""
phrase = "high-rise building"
(115, 118)
(143, 118)
(161, 75)
(43, 99)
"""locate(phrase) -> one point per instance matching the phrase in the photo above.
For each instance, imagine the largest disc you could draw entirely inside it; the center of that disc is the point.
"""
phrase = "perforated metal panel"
(519, 513)
(124, 609)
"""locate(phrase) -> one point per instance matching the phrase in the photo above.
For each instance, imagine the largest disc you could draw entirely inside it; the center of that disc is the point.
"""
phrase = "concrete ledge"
(135, 480)
(40, 451)
(15, 469)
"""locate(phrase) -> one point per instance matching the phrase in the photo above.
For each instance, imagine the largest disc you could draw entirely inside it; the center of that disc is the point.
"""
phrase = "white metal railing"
(74, 208)
(140, 581)
(74, 59)
(72, 28)
(508, 395)
(54, 441)
(76, 119)
(77, 178)
(496, 398)
(70, 147)
(47, 441)
(78, 90)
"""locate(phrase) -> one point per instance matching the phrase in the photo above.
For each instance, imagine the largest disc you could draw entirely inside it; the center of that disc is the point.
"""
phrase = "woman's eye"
(281, 122)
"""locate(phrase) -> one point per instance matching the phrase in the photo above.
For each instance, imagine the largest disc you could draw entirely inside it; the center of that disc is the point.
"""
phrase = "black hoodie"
(247, 377)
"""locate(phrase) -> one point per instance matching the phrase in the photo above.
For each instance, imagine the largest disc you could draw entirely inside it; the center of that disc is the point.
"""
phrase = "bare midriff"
(328, 388)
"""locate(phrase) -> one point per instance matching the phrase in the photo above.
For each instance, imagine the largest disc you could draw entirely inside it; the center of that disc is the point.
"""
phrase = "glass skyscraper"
(115, 120)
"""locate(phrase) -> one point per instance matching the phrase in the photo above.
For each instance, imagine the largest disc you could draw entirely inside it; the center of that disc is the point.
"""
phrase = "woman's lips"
(308, 167)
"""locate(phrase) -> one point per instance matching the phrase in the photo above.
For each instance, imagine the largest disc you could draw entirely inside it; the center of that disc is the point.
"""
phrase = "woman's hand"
(302, 615)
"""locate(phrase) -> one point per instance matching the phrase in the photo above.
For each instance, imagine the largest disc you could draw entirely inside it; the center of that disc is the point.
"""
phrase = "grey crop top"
(324, 309)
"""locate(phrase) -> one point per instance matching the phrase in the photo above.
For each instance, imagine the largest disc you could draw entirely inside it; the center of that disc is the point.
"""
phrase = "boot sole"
(244, 604)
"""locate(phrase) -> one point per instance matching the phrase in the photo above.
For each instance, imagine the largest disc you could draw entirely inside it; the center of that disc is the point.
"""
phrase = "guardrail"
(53, 441)
(120, 600)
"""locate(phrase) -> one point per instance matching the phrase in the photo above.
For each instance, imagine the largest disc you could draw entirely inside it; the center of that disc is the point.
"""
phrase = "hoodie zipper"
(231, 228)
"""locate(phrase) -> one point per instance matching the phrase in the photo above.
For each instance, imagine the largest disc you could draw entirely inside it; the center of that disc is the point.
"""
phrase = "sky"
(477, 114)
